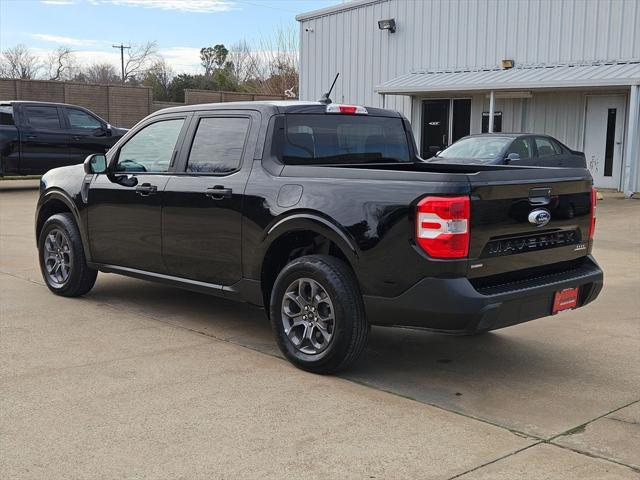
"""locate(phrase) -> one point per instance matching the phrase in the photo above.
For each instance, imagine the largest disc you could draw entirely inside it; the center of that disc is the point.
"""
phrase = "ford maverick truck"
(324, 215)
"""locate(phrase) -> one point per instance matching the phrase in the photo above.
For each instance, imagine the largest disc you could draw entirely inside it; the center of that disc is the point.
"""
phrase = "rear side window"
(218, 145)
(546, 147)
(342, 139)
(82, 120)
(41, 116)
(6, 115)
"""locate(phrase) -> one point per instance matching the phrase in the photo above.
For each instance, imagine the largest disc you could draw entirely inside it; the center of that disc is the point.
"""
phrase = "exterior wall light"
(388, 24)
(507, 64)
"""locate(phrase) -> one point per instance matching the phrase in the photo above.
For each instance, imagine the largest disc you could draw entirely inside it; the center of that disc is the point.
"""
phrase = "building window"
(497, 122)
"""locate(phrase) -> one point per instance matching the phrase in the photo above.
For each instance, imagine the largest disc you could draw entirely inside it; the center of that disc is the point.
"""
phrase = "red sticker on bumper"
(565, 300)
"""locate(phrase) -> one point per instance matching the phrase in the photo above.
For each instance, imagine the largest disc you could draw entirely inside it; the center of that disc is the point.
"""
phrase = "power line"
(122, 48)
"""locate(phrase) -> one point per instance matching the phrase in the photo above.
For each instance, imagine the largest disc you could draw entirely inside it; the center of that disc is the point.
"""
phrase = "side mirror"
(512, 157)
(95, 163)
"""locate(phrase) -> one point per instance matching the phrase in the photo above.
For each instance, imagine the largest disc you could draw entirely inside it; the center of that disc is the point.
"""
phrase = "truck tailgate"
(506, 236)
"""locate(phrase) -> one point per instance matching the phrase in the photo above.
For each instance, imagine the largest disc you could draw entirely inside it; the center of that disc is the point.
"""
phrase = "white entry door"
(603, 138)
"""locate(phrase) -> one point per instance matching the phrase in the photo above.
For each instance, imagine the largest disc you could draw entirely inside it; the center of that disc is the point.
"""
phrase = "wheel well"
(288, 247)
(47, 210)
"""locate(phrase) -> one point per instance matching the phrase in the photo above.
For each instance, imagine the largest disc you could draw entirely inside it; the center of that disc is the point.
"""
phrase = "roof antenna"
(325, 98)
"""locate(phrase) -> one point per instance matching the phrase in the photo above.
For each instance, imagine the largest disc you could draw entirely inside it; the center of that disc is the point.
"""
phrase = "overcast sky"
(180, 27)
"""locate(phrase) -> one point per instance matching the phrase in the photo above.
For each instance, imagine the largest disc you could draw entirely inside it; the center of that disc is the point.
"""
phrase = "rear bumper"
(454, 305)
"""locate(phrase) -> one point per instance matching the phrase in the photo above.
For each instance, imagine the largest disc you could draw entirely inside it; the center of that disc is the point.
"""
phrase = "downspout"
(632, 153)
(492, 106)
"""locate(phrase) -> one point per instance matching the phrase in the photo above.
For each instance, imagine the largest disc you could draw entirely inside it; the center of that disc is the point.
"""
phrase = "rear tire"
(317, 314)
(62, 261)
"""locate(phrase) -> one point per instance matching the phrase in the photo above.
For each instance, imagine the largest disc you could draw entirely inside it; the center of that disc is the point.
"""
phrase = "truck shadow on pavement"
(453, 372)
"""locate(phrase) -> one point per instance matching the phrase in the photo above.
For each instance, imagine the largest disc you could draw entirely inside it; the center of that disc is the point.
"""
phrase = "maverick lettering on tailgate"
(541, 241)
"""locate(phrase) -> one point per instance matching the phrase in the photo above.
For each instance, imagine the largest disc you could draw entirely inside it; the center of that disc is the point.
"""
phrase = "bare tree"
(99, 73)
(19, 62)
(61, 64)
(139, 59)
(159, 77)
(276, 64)
(244, 62)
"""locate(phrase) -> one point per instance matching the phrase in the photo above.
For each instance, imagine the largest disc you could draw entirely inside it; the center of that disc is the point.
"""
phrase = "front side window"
(41, 116)
(545, 147)
(343, 139)
(150, 149)
(218, 145)
(82, 120)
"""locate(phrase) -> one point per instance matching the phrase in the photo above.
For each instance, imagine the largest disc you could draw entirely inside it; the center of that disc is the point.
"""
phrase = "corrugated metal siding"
(560, 115)
(555, 114)
(450, 34)
(551, 76)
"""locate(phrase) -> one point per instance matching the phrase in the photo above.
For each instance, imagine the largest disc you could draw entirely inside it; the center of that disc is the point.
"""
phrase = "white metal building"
(566, 68)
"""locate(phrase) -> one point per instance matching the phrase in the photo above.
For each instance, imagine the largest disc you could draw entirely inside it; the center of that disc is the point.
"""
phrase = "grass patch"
(24, 177)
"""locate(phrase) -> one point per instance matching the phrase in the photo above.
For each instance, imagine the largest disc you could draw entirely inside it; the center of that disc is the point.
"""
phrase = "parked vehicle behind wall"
(37, 136)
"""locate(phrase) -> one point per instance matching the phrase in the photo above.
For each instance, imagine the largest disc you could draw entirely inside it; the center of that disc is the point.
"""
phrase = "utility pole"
(121, 47)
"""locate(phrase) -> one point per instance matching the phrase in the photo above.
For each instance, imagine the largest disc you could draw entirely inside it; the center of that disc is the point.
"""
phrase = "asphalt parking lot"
(138, 380)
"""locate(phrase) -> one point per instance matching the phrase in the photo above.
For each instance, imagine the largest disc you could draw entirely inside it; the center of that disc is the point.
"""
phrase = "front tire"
(62, 261)
(317, 314)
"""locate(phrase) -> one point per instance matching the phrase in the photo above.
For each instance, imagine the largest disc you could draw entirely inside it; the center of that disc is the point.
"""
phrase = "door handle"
(219, 192)
(146, 189)
(31, 137)
(540, 196)
(76, 138)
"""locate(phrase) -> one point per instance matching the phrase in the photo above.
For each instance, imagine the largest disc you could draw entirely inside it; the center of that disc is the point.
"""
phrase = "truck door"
(124, 207)
(45, 142)
(87, 133)
(202, 214)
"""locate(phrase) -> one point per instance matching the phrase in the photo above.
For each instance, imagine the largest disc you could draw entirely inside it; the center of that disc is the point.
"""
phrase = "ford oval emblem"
(540, 217)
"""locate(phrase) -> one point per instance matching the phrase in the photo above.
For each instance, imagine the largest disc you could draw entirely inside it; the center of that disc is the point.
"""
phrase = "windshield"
(341, 139)
(476, 148)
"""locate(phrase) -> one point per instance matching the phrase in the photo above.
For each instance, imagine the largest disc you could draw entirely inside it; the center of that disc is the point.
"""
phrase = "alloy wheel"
(308, 316)
(57, 256)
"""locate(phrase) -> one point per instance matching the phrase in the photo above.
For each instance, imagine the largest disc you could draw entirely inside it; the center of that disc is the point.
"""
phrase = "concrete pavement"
(139, 380)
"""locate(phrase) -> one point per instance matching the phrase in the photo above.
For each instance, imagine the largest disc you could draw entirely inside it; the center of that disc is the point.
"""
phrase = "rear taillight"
(592, 226)
(442, 226)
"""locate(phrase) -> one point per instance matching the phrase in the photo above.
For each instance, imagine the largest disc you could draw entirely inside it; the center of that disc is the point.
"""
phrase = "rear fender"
(306, 221)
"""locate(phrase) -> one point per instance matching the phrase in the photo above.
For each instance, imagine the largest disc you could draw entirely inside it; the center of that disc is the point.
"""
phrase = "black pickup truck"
(38, 136)
(326, 216)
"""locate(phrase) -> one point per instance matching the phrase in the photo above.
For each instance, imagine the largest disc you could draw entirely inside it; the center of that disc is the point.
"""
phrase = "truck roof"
(12, 102)
(271, 107)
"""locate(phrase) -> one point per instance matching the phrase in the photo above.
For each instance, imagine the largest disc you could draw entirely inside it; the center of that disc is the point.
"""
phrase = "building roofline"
(601, 74)
(342, 7)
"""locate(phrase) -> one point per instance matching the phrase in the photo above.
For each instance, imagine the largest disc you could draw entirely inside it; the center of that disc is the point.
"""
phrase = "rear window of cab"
(334, 139)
